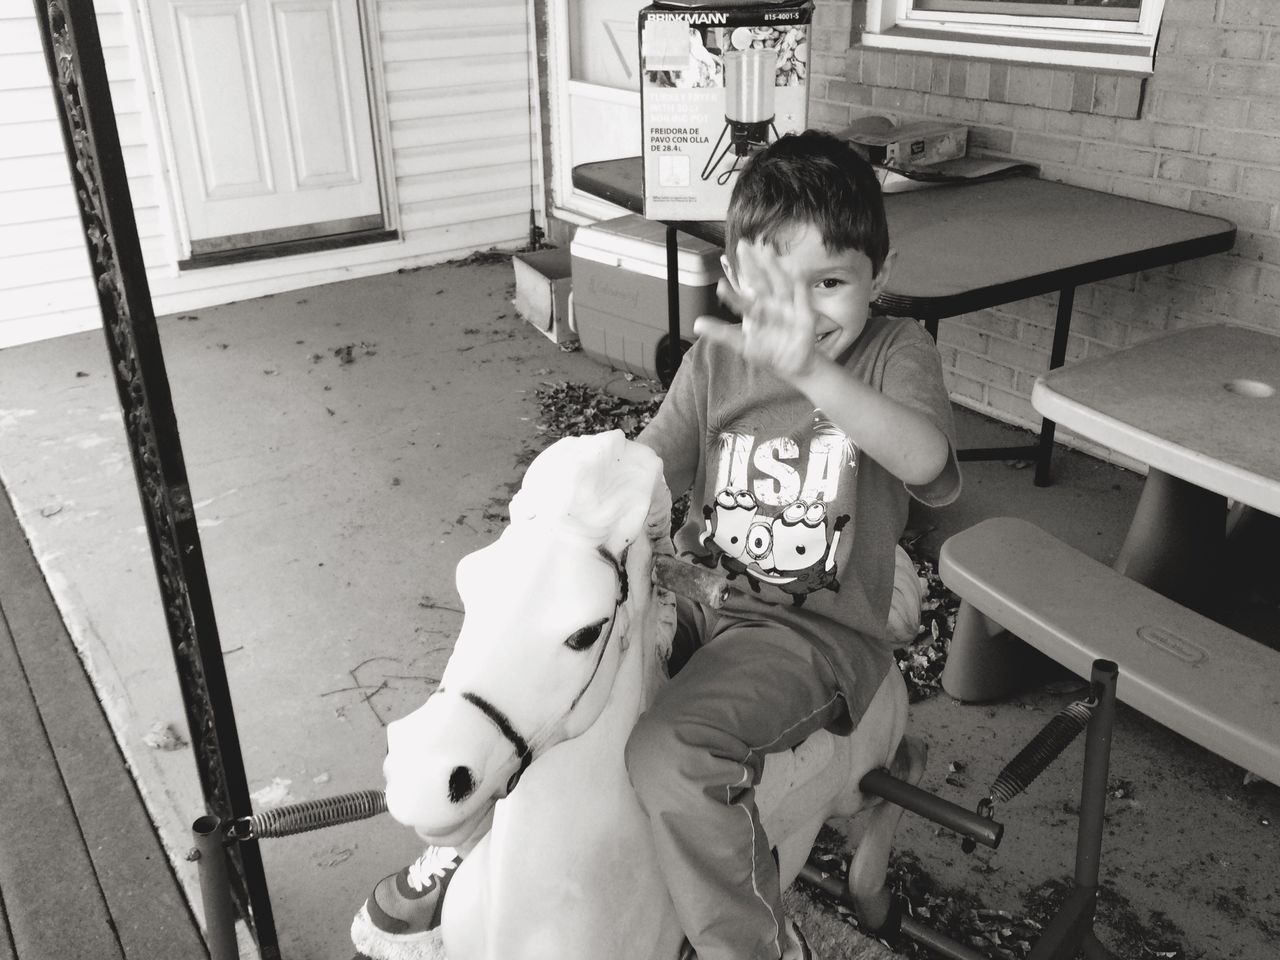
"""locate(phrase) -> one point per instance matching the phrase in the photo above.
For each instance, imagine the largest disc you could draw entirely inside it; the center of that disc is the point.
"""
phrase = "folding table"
(972, 246)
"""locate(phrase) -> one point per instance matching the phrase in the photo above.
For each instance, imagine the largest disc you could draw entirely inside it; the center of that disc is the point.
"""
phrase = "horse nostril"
(461, 784)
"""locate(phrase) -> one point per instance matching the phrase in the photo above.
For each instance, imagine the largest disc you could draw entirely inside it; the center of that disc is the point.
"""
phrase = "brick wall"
(1201, 134)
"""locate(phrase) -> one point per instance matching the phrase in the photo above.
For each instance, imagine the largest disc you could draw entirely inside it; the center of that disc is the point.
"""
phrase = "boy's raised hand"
(779, 327)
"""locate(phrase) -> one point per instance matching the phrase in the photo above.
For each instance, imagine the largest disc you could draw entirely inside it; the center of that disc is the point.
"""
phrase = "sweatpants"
(695, 758)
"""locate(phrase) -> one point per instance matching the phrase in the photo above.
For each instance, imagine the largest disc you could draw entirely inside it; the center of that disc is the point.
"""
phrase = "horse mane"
(600, 487)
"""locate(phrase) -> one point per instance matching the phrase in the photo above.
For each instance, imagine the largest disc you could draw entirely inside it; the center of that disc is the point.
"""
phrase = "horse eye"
(584, 638)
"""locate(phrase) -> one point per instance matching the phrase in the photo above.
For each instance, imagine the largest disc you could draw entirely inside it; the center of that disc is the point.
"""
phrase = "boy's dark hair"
(811, 177)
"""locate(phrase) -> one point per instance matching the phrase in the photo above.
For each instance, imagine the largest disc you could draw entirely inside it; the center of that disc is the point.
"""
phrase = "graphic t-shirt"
(787, 505)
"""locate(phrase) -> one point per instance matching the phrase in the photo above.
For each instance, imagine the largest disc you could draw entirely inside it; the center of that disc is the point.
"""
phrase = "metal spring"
(1044, 748)
(311, 815)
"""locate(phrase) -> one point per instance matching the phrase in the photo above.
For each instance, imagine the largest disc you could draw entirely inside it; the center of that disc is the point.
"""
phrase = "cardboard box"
(620, 290)
(716, 85)
(543, 283)
(909, 145)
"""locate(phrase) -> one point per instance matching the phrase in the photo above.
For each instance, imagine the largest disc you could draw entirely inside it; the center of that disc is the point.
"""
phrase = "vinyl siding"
(457, 101)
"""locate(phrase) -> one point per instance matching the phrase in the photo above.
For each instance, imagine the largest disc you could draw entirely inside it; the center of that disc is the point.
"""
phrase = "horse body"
(544, 687)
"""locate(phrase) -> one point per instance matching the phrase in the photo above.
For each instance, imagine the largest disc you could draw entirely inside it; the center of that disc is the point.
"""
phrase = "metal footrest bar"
(881, 783)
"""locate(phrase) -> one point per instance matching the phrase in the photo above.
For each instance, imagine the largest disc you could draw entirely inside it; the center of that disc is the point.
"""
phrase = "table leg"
(986, 662)
(1057, 354)
(1042, 450)
(1252, 536)
(669, 352)
(1249, 570)
(1175, 541)
(1006, 452)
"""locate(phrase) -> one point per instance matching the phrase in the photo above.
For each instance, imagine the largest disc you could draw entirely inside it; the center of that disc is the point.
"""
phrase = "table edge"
(1182, 462)
(941, 307)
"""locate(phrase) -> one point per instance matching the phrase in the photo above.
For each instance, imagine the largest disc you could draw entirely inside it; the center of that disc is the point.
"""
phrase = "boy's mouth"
(824, 338)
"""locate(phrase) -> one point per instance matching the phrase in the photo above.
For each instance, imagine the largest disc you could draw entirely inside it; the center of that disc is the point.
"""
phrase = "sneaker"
(409, 902)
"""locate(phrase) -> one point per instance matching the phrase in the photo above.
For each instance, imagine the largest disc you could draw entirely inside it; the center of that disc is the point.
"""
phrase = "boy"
(801, 434)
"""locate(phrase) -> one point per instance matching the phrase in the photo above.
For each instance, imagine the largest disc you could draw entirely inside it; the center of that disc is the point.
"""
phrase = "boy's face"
(839, 285)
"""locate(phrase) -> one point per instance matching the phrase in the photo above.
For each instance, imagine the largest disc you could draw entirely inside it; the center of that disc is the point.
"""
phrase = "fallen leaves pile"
(921, 663)
(997, 934)
(575, 409)
(955, 913)
(483, 258)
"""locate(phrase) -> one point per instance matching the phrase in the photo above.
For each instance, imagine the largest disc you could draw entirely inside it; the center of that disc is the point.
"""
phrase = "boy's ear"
(727, 267)
(882, 278)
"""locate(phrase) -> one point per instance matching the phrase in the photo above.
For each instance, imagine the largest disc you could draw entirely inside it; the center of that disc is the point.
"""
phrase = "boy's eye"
(829, 283)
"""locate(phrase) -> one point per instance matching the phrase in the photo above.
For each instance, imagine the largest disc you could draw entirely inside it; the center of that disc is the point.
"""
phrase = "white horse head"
(550, 609)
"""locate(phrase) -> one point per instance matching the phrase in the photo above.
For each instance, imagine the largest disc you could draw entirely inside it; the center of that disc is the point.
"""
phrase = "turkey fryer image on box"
(718, 84)
(748, 108)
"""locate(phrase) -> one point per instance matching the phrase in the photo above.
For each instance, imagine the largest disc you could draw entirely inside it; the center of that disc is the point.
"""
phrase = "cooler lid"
(640, 245)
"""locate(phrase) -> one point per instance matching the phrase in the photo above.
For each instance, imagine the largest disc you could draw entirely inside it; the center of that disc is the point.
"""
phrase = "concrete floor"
(346, 446)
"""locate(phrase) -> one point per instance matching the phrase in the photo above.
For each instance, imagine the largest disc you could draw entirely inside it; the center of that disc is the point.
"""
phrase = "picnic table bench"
(1200, 679)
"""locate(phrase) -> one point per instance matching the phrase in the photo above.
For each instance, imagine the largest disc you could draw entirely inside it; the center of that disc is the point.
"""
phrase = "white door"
(595, 79)
(269, 118)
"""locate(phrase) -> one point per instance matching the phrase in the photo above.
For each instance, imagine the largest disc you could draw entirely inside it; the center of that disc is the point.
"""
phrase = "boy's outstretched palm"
(779, 325)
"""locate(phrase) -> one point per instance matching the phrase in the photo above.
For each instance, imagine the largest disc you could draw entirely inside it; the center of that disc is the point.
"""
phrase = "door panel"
(596, 93)
(269, 116)
(606, 124)
(321, 138)
(224, 99)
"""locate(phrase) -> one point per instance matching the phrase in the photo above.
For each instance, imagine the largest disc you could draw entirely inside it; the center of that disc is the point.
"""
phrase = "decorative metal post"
(73, 53)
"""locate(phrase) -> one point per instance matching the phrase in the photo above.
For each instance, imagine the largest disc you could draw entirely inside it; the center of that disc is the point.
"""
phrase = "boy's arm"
(902, 440)
(674, 433)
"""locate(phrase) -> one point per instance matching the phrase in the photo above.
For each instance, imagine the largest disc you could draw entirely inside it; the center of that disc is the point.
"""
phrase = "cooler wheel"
(665, 362)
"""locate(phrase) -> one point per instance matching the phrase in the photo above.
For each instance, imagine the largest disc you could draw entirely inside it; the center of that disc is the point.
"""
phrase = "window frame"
(1104, 44)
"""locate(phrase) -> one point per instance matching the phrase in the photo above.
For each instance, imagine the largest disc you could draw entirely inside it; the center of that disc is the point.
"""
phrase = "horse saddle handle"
(701, 584)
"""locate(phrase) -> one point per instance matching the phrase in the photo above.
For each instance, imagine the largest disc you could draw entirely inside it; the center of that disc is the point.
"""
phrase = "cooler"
(619, 303)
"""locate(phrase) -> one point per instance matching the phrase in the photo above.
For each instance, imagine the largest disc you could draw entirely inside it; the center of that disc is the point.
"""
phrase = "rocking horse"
(518, 755)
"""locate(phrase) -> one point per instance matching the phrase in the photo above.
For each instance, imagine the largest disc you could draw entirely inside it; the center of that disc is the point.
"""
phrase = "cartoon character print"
(791, 551)
(792, 546)
(728, 525)
(801, 550)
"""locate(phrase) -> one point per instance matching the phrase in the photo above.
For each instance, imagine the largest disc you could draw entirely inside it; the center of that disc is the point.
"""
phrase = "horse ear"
(619, 564)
